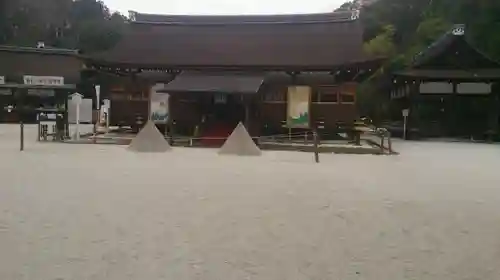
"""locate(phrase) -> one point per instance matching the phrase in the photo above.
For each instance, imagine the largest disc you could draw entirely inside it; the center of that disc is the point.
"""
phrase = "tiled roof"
(455, 39)
(243, 19)
(313, 41)
(19, 61)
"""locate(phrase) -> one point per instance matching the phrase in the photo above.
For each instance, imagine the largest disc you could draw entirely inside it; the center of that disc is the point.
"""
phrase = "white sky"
(224, 6)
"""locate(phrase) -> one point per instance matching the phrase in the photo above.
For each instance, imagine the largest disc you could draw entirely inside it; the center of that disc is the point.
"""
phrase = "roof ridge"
(51, 50)
(341, 16)
(455, 32)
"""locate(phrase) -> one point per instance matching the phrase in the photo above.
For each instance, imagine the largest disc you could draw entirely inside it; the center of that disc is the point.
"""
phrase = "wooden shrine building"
(220, 70)
(36, 78)
(452, 89)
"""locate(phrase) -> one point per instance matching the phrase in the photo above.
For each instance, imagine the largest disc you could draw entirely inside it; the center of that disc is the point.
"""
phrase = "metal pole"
(404, 126)
(39, 134)
(96, 116)
(22, 133)
(316, 146)
(77, 129)
(20, 112)
(389, 142)
(94, 139)
(65, 134)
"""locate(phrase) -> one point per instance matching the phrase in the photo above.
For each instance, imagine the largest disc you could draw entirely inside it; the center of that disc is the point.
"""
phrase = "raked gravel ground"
(91, 212)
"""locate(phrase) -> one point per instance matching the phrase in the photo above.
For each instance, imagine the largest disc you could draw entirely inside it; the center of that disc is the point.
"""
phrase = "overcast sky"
(223, 6)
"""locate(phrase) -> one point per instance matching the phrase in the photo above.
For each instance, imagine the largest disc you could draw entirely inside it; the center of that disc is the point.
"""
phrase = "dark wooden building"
(42, 76)
(451, 89)
(220, 70)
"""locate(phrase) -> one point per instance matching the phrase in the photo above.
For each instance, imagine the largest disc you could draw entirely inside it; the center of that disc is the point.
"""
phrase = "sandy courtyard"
(92, 212)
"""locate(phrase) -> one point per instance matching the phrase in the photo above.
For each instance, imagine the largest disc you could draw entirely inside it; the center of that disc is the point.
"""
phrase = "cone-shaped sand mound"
(240, 143)
(149, 140)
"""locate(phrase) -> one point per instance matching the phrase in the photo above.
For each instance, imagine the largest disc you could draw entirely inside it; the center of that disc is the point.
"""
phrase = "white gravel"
(91, 212)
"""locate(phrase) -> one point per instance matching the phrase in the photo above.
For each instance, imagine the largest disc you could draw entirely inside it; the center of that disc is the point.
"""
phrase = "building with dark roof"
(20, 61)
(284, 42)
(236, 68)
(451, 88)
(40, 75)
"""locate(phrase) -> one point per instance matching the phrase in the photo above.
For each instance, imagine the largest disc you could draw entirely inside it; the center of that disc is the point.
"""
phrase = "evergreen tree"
(87, 25)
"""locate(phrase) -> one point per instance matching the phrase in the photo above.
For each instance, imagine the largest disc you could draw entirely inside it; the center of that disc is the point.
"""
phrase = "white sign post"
(98, 96)
(77, 98)
(107, 109)
(98, 107)
(406, 113)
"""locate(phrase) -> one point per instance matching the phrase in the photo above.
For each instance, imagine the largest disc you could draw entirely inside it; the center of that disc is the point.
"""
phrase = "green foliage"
(430, 29)
(349, 6)
(382, 44)
(87, 25)
(417, 23)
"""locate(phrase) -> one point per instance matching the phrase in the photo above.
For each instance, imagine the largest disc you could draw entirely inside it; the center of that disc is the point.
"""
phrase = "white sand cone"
(149, 140)
(240, 143)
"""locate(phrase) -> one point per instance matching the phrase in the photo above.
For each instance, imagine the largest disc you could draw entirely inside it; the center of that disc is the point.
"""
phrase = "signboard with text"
(43, 80)
(85, 111)
(159, 105)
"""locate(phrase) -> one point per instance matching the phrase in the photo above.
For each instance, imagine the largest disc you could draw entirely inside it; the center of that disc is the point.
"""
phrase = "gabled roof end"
(458, 30)
(132, 15)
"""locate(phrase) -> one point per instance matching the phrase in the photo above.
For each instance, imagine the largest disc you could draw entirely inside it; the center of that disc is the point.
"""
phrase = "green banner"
(298, 104)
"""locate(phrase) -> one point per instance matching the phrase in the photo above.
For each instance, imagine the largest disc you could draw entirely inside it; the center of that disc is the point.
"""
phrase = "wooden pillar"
(414, 100)
(170, 120)
(452, 111)
(19, 94)
(246, 103)
(316, 145)
(149, 88)
(494, 112)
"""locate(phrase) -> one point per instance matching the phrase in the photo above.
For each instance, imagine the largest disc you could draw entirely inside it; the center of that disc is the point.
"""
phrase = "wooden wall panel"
(125, 111)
